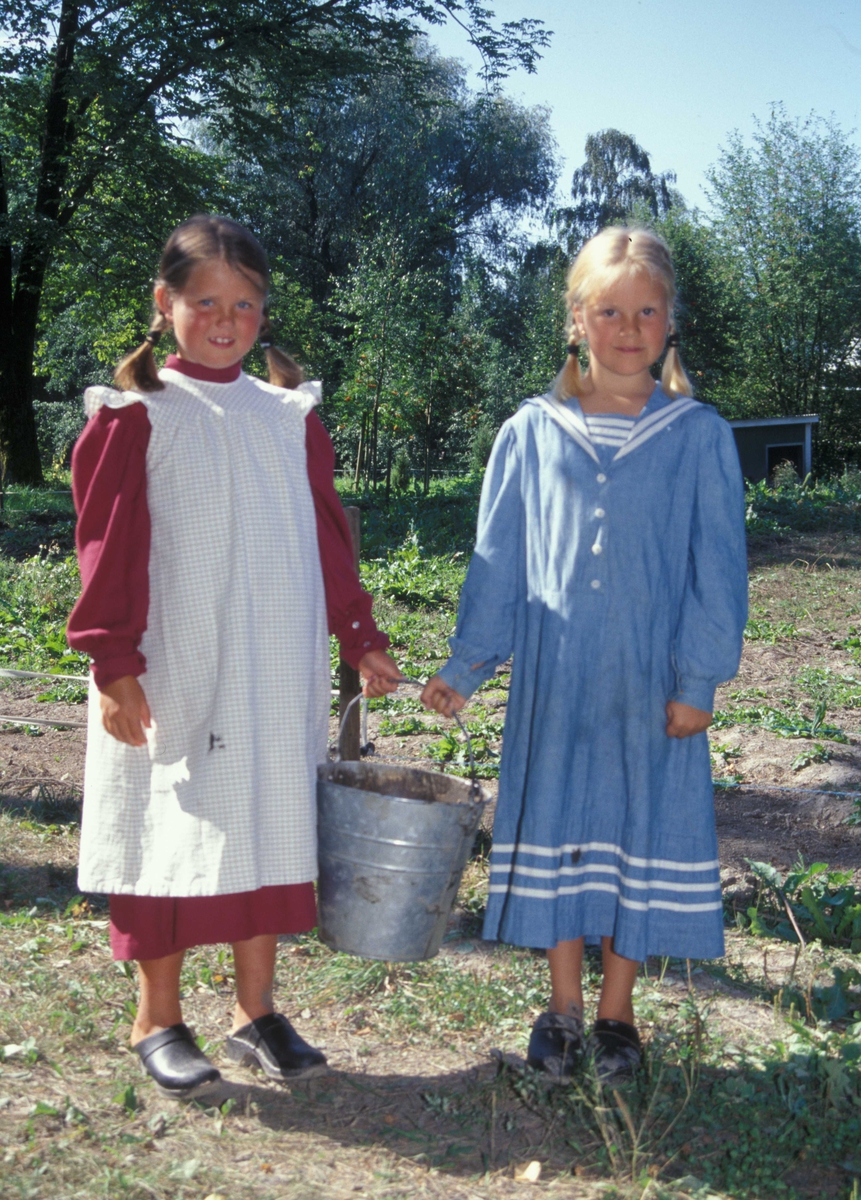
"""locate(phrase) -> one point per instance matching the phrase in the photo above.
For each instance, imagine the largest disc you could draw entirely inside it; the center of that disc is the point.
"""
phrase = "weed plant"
(823, 505)
(443, 521)
(827, 687)
(36, 597)
(810, 902)
(412, 579)
(784, 724)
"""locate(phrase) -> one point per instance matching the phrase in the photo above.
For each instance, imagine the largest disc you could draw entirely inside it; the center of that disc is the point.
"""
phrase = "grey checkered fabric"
(222, 797)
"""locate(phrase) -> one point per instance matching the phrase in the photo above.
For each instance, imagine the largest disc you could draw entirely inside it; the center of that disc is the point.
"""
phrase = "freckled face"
(626, 325)
(216, 317)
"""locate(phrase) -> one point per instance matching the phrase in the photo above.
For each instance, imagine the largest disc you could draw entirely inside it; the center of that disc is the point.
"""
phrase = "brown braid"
(137, 372)
(284, 371)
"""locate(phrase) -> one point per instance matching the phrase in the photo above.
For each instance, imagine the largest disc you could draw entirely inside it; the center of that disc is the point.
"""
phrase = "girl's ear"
(163, 300)
(577, 327)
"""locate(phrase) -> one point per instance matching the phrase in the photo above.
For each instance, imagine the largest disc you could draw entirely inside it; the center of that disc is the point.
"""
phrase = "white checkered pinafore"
(222, 798)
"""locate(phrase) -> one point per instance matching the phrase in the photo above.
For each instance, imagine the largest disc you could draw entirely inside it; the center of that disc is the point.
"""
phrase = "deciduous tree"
(616, 178)
(788, 215)
(85, 85)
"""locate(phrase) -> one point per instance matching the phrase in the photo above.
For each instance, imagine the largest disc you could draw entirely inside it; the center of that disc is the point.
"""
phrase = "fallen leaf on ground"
(528, 1172)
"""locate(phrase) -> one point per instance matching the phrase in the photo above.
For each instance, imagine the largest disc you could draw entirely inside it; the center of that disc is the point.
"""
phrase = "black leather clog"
(616, 1050)
(178, 1067)
(272, 1044)
(555, 1044)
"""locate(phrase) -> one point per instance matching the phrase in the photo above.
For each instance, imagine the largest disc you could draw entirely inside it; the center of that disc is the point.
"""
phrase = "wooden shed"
(764, 442)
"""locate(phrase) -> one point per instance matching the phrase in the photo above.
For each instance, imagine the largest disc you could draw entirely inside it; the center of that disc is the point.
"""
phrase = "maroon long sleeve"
(348, 606)
(113, 536)
(113, 540)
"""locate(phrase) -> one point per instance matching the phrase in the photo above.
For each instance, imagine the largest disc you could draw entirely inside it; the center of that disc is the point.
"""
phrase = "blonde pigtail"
(137, 372)
(570, 382)
(284, 371)
(674, 378)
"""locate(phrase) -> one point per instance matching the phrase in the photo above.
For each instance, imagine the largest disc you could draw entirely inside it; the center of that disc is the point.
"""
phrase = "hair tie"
(673, 341)
(573, 347)
(153, 336)
(265, 345)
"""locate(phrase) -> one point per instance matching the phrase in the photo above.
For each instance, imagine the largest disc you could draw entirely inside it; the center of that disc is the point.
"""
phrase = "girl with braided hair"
(215, 560)
(610, 560)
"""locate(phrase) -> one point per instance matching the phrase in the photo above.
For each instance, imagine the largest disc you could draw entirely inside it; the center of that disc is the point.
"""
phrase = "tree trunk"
(20, 447)
(19, 313)
(427, 449)
(360, 452)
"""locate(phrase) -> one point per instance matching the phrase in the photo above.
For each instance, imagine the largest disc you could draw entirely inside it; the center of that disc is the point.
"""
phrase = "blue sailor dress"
(616, 576)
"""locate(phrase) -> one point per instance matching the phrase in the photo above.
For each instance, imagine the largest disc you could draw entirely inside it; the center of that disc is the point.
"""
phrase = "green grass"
(708, 1114)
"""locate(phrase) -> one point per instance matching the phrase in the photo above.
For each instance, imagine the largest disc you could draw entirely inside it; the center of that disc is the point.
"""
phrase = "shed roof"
(754, 422)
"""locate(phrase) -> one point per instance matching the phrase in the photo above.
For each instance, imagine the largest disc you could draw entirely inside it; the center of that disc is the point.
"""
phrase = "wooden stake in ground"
(349, 682)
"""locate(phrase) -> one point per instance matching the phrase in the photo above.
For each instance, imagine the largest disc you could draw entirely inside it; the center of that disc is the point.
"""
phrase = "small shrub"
(401, 476)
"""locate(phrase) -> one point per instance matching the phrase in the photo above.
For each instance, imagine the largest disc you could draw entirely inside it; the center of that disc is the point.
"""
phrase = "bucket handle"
(475, 789)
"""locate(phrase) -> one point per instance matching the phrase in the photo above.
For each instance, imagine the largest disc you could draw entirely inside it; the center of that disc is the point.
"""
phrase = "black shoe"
(555, 1044)
(617, 1051)
(272, 1044)
(177, 1065)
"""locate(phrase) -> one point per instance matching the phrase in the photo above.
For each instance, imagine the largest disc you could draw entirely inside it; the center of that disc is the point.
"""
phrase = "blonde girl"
(215, 559)
(610, 560)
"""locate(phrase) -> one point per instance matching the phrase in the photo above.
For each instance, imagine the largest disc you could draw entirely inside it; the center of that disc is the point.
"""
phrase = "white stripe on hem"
(632, 860)
(637, 905)
(604, 869)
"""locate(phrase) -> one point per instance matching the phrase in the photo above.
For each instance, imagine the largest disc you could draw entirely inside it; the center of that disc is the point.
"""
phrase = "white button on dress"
(601, 477)
(596, 583)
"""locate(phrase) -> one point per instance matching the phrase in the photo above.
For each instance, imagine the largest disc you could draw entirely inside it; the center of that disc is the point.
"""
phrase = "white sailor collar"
(658, 412)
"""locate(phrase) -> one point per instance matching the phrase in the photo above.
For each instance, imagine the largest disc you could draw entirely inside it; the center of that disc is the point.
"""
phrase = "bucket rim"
(476, 795)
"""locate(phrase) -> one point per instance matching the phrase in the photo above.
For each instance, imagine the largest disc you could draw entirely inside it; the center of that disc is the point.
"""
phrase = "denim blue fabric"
(617, 579)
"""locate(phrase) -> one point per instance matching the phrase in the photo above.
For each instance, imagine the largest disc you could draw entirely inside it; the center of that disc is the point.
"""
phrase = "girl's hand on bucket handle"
(683, 720)
(125, 712)
(381, 673)
(442, 698)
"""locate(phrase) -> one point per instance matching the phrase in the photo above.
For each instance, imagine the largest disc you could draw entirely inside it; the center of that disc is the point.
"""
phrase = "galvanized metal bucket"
(393, 843)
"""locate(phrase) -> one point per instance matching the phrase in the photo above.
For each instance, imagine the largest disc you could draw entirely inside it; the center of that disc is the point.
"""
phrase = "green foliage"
(784, 724)
(408, 577)
(759, 629)
(96, 108)
(830, 503)
(401, 478)
(614, 181)
(825, 686)
(816, 754)
(709, 305)
(788, 216)
(443, 523)
(36, 597)
(825, 904)
(406, 727)
(58, 424)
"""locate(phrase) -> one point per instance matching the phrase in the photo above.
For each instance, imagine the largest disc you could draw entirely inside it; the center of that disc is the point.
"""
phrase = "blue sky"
(680, 75)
